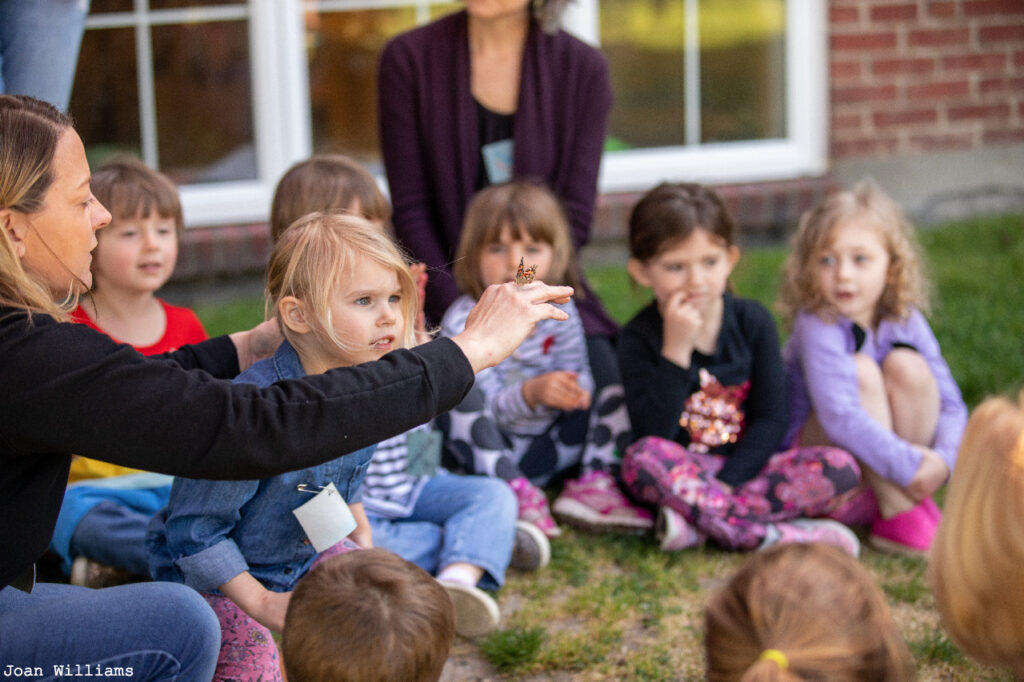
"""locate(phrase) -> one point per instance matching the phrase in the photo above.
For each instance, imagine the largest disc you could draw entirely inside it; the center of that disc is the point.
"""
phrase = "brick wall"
(925, 75)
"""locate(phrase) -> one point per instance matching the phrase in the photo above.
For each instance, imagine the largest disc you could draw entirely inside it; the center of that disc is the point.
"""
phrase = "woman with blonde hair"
(803, 612)
(977, 562)
(70, 390)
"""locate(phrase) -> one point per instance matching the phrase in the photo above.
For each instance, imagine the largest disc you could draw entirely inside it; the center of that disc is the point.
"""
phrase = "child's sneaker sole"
(476, 613)
(531, 551)
(580, 515)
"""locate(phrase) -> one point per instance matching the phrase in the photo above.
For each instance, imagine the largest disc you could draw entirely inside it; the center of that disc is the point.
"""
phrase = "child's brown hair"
(906, 284)
(130, 189)
(325, 183)
(977, 561)
(526, 209)
(803, 612)
(367, 616)
(671, 212)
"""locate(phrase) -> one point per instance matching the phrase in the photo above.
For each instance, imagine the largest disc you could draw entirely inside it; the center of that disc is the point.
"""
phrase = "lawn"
(616, 608)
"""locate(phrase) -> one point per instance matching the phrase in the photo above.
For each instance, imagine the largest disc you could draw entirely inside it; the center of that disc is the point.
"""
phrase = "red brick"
(864, 148)
(889, 119)
(901, 11)
(864, 41)
(962, 113)
(927, 143)
(995, 137)
(883, 93)
(1001, 86)
(1018, 58)
(845, 69)
(942, 37)
(993, 61)
(942, 10)
(847, 121)
(1000, 34)
(939, 90)
(902, 66)
(977, 8)
(843, 15)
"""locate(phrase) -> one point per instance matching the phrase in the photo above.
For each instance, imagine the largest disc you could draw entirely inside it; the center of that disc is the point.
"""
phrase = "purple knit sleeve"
(825, 353)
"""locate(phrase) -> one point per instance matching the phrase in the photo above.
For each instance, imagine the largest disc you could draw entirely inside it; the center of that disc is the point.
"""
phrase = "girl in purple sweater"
(864, 369)
(705, 391)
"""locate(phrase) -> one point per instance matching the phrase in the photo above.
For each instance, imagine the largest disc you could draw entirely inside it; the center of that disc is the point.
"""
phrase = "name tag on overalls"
(326, 518)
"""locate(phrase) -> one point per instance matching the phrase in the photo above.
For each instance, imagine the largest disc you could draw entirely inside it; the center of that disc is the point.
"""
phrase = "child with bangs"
(342, 295)
(101, 531)
(540, 397)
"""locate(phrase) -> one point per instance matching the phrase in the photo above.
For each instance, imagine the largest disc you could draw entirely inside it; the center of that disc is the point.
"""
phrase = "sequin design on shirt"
(712, 415)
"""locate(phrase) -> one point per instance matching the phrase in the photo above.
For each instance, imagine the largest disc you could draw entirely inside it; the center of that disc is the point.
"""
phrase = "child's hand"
(262, 605)
(682, 323)
(558, 390)
(931, 474)
(363, 534)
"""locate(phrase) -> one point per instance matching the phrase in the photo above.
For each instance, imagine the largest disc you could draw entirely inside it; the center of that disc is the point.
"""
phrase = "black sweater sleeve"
(69, 389)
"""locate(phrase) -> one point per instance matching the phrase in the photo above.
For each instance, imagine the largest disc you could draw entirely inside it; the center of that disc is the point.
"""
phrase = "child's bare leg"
(913, 396)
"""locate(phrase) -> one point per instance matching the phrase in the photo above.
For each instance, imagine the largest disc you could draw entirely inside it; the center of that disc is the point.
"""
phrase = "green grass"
(616, 608)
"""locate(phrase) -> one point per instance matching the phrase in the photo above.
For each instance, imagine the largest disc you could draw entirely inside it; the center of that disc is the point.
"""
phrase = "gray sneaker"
(532, 550)
(476, 612)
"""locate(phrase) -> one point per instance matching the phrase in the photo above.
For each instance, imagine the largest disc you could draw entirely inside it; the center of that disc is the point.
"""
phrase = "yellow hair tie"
(775, 655)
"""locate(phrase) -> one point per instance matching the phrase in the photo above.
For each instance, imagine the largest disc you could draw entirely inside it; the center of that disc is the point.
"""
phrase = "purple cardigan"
(431, 144)
(821, 377)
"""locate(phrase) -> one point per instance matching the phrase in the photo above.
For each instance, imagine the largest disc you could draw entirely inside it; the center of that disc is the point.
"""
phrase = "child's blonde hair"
(129, 189)
(313, 257)
(367, 615)
(977, 561)
(803, 612)
(906, 284)
(526, 209)
(324, 183)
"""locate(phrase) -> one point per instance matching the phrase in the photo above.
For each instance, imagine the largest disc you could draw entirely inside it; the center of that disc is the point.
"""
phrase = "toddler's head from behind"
(803, 612)
(866, 228)
(139, 248)
(507, 223)
(977, 561)
(367, 616)
(340, 290)
(324, 183)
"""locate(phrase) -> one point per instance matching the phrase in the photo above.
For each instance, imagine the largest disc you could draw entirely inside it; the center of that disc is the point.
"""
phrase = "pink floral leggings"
(247, 650)
(805, 481)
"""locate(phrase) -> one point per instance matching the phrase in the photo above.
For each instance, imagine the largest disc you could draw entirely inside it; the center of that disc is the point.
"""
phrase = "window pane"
(742, 69)
(204, 101)
(105, 97)
(643, 41)
(343, 50)
(100, 6)
(175, 4)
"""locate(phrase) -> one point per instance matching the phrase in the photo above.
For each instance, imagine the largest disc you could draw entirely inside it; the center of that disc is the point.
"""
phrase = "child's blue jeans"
(467, 519)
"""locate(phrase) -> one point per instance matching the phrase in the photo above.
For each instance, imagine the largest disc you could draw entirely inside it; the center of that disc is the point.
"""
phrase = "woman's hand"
(558, 390)
(931, 474)
(259, 342)
(504, 316)
(262, 605)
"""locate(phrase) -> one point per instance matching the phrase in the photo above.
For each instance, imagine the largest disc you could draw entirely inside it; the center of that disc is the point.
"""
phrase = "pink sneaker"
(533, 507)
(908, 532)
(594, 502)
(674, 532)
(812, 530)
(859, 510)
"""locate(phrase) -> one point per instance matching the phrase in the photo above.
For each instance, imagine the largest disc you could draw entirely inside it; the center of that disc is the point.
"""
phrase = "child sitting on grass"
(101, 531)
(803, 612)
(978, 555)
(864, 370)
(367, 616)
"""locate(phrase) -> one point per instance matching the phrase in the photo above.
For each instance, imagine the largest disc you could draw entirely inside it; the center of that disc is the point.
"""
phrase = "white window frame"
(282, 131)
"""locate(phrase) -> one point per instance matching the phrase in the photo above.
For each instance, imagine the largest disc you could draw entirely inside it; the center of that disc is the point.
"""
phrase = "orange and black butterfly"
(525, 275)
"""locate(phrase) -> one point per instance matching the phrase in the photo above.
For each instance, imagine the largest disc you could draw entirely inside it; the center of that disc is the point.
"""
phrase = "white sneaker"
(532, 550)
(476, 613)
(812, 530)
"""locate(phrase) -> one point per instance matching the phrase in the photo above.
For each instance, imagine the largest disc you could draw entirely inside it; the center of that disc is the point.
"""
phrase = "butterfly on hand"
(525, 275)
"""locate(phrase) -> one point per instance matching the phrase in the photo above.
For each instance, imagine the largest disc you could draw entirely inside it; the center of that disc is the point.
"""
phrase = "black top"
(660, 393)
(69, 389)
